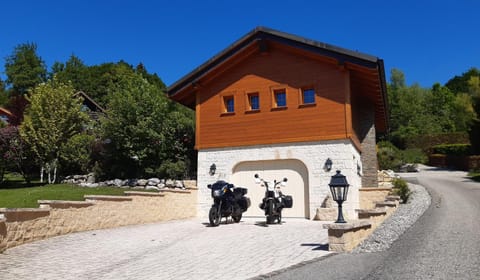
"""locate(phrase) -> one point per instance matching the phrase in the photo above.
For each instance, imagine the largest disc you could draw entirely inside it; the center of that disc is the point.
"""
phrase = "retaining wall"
(369, 196)
(22, 225)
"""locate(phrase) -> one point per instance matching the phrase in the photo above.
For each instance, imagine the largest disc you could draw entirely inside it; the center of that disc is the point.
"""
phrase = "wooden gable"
(264, 61)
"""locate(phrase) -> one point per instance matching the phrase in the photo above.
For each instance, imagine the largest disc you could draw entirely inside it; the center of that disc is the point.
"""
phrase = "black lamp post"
(339, 188)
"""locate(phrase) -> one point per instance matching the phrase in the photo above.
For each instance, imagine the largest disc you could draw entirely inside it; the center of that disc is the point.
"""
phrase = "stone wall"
(343, 237)
(344, 155)
(96, 212)
(369, 196)
(3, 234)
(364, 124)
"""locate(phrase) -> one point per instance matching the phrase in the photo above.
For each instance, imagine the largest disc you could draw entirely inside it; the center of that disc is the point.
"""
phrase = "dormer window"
(308, 96)
(280, 98)
(253, 101)
(229, 104)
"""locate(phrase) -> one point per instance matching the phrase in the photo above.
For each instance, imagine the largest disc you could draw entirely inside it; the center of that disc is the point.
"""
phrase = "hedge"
(426, 142)
(452, 149)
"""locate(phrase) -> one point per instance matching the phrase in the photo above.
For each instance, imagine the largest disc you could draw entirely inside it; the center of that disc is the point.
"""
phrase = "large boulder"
(142, 182)
(149, 187)
(91, 178)
(153, 181)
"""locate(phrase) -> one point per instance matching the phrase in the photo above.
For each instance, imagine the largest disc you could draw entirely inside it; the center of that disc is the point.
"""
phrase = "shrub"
(400, 188)
(389, 156)
(414, 155)
(452, 149)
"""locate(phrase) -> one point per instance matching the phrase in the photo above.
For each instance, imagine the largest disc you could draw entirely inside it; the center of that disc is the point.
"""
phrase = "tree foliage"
(418, 111)
(53, 116)
(24, 69)
(3, 94)
(459, 84)
(15, 155)
(98, 81)
(145, 133)
(467, 87)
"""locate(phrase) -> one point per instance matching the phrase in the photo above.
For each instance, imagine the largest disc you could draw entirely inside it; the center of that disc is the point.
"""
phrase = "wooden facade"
(266, 62)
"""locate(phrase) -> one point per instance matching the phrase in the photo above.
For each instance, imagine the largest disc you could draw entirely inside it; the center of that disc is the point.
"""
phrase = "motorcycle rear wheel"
(237, 218)
(214, 217)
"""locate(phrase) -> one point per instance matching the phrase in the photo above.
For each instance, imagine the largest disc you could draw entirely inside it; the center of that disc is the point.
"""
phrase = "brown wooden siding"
(329, 118)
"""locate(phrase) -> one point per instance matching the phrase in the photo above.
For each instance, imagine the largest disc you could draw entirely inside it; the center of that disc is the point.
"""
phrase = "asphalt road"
(443, 244)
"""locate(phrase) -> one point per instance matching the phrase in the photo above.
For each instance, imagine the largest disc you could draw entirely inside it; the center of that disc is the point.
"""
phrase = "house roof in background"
(5, 112)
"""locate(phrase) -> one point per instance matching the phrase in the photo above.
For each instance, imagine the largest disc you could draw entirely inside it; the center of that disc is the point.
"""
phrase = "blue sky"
(430, 41)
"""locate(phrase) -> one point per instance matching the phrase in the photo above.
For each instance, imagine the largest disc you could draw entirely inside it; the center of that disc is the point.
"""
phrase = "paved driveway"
(186, 249)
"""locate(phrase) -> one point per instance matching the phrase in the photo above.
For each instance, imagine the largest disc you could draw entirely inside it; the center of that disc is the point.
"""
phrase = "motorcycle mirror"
(257, 179)
(209, 186)
(285, 179)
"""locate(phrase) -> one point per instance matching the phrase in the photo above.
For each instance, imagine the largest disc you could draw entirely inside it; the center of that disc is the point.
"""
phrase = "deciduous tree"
(145, 132)
(53, 116)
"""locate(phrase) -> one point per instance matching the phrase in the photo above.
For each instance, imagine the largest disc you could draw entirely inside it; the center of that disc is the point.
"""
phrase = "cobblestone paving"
(187, 249)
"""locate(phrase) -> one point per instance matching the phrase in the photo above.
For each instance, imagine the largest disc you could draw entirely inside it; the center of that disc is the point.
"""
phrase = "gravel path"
(403, 218)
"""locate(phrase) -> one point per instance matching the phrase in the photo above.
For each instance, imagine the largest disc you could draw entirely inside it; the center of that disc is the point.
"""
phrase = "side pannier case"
(287, 201)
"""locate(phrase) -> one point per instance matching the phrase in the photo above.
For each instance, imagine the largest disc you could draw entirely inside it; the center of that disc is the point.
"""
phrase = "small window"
(280, 98)
(229, 104)
(308, 96)
(253, 101)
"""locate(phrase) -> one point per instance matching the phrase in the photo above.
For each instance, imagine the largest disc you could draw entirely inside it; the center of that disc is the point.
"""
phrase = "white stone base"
(313, 155)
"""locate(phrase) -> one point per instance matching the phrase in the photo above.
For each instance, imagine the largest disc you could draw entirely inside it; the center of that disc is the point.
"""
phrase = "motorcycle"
(228, 200)
(274, 201)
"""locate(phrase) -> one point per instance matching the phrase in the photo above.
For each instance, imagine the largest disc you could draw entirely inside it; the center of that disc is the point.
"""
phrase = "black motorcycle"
(227, 201)
(274, 201)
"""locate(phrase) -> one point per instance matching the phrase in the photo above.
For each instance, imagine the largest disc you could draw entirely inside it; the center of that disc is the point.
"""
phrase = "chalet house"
(282, 106)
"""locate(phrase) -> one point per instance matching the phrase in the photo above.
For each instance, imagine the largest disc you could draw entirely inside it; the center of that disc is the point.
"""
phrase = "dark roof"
(341, 55)
(90, 103)
(5, 112)
(260, 32)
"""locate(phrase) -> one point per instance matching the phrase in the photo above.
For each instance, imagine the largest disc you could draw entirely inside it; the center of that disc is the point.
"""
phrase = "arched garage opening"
(297, 187)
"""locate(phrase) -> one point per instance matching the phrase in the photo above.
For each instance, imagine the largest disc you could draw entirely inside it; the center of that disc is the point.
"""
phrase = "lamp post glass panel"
(339, 188)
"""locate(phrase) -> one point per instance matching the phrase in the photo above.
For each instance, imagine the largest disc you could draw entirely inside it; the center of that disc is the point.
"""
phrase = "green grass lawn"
(16, 193)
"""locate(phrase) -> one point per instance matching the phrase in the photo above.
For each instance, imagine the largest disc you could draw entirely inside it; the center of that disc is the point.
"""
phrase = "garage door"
(294, 170)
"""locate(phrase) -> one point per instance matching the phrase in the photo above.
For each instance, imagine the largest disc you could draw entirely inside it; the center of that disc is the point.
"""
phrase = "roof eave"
(339, 53)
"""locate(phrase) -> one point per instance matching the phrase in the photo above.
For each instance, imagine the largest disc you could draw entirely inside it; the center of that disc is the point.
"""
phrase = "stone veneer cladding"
(344, 155)
(365, 128)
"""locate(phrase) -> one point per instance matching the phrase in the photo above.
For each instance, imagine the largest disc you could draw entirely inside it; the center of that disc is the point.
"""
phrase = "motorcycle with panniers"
(228, 200)
(274, 201)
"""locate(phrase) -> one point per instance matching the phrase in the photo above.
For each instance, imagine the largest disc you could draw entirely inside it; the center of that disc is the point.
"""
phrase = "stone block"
(344, 237)
(326, 214)
(23, 214)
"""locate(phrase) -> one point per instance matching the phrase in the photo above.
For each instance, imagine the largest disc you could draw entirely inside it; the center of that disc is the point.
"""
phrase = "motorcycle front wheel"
(214, 217)
(270, 210)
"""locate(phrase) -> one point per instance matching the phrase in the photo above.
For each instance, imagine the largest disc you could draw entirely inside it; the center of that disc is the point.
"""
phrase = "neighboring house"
(90, 106)
(5, 115)
(281, 105)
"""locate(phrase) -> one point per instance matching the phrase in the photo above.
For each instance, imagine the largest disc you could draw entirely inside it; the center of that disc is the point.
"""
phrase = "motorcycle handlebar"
(260, 180)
